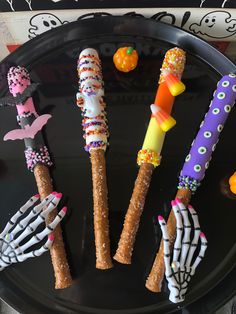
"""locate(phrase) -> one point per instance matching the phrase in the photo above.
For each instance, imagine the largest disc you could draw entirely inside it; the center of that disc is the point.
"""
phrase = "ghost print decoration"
(215, 24)
(43, 22)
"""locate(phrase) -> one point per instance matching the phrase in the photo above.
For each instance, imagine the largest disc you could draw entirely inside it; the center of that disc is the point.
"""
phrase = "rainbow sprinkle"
(35, 156)
(174, 62)
(148, 156)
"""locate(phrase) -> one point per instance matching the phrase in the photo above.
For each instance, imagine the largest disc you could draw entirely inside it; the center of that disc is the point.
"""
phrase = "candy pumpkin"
(125, 59)
(232, 183)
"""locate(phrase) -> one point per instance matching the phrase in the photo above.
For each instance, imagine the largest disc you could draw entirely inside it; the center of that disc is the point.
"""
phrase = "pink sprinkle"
(37, 195)
(51, 237)
(202, 235)
(173, 203)
(54, 193)
(64, 209)
(160, 218)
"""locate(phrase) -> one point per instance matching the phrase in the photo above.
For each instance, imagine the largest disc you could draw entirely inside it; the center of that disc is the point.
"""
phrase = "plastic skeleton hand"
(17, 229)
(181, 269)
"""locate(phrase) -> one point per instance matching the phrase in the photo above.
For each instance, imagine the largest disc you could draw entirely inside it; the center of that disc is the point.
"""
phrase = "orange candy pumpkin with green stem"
(232, 183)
(125, 59)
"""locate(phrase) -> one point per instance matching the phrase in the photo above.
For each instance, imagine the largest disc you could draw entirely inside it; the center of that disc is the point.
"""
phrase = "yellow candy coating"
(168, 124)
(177, 89)
(154, 137)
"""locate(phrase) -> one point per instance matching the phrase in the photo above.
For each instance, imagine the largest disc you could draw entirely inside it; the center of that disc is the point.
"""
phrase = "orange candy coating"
(233, 189)
(125, 59)
(232, 179)
(232, 183)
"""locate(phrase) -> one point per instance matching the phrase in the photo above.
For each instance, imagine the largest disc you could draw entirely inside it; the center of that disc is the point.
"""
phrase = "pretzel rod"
(89, 99)
(101, 226)
(132, 218)
(57, 250)
(38, 161)
(196, 163)
(149, 156)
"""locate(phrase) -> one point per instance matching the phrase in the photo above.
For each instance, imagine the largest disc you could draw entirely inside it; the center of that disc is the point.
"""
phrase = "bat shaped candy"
(30, 130)
(19, 98)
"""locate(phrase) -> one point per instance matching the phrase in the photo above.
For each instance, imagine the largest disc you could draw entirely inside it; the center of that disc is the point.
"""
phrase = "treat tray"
(51, 59)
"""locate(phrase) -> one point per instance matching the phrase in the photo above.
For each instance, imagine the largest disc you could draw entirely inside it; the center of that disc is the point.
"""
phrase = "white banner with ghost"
(211, 24)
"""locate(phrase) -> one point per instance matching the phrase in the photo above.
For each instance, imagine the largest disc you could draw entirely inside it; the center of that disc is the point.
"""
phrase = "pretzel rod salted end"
(101, 226)
(90, 100)
(154, 280)
(58, 255)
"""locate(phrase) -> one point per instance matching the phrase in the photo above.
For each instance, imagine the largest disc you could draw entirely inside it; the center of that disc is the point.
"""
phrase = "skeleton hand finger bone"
(18, 214)
(179, 272)
(48, 229)
(7, 234)
(45, 247)
(187, 231)
(39, 237)
(35, 211)
(179, 231)
(32, 227)
(197, 231)
(11, 251)
(51, 203)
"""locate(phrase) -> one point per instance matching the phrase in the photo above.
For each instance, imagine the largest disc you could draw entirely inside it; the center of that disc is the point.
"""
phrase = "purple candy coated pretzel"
(197, 161)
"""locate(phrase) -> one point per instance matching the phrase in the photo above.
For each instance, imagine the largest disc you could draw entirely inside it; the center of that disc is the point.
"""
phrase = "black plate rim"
(145, 27)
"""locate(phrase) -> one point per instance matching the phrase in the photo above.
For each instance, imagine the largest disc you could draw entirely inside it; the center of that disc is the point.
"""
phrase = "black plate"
(51, 59)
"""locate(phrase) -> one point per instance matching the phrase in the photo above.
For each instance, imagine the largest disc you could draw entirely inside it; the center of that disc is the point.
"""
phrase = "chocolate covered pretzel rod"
(90, 100)
(149, 156)
(196, 163)
(38, 161)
